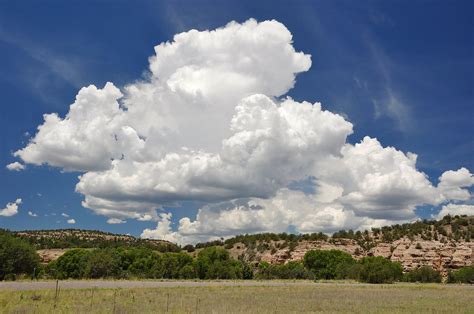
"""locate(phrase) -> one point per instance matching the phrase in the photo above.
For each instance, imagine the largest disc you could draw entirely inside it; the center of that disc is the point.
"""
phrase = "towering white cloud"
(11, 209)
(210, 123)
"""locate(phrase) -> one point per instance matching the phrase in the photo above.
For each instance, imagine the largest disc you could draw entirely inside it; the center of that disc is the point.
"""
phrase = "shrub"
(215, 263)
(325, 264)
(423, 274)
(462, 275)
(187, 272)
(172, 263)
(103, 263)
(247, 271)
(71, 264)
(17, 256)
(189, 248)
(377, 269)
(145, 266)
(290, 270)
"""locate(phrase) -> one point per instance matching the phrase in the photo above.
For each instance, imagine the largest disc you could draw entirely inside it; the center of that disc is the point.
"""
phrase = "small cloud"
(71, 221)
(64, 215)
(15, 166)
(146, 217)
(115, 221)
(11, 209)
(32, 214)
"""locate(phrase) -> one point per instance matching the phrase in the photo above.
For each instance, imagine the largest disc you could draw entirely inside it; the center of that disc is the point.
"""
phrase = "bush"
(172, 263)
(377, 269)
(462, 275)
(215, 263)
(290, 270)
(189, 248)
(187, 272)
(247, 271)
(423, 274)
(17, 256)
(325, 264)
(102, 264)
(71, 264)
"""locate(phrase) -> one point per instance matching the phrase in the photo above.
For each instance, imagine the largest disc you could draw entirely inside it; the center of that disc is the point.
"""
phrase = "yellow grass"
(397, 298)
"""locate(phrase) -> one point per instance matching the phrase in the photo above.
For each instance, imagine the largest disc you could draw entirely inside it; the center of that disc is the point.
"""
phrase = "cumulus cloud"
(455, 209)
(453, 184)
(71, 221)
(30, 213)
(15, 166)
(11, 209)
(211, 123)
(163, 230)
(64, 215)
(303, 212)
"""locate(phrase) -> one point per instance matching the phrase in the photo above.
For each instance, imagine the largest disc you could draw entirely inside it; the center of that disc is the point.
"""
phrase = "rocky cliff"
(444, 245)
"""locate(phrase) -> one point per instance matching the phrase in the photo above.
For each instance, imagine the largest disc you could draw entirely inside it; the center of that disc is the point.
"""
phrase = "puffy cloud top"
(211, 123)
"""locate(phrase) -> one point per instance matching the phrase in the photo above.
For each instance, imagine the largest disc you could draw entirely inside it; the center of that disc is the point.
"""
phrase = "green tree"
(187, 272)
(325, 264)
(17, 256)
(423, 274)
(462, 275)
(377, 269)
(71, 264)
(247, 271)
(215, 263)
(103, 263)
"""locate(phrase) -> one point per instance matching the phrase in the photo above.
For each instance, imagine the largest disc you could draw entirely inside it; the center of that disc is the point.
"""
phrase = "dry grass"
(398, 298)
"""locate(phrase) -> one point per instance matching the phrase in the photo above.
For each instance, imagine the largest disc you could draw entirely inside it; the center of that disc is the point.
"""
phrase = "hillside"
(74, 238)
(444, 244)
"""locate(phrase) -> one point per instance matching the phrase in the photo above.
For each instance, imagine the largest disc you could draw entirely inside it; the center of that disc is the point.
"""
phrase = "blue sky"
(400, 71)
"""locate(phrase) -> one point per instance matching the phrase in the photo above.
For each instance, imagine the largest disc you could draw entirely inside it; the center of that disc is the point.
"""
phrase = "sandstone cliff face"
(411, 254)
(440, 256)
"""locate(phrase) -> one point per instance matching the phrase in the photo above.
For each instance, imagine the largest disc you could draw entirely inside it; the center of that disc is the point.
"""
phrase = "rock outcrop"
(443, 245)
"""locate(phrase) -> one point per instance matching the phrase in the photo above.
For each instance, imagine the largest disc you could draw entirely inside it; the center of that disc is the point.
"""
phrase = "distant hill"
(75, 238)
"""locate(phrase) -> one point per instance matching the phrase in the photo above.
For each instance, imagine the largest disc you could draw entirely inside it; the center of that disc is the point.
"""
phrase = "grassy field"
(398, 298)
